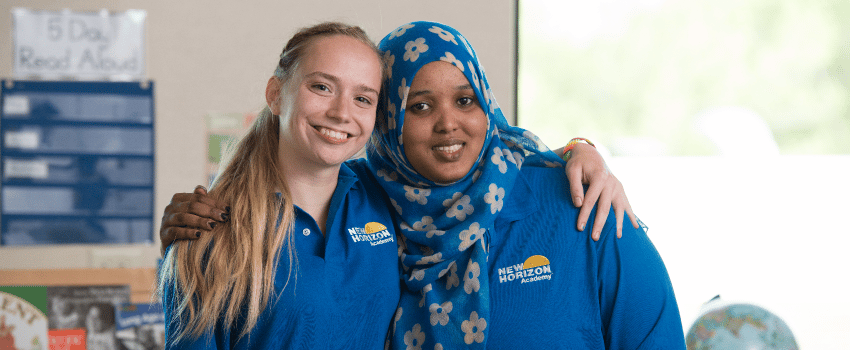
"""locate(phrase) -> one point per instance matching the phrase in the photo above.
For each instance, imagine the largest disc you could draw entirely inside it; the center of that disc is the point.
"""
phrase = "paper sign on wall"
(83, 45)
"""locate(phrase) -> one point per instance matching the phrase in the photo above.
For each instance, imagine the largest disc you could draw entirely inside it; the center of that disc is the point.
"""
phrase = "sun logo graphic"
(375, 233)
(535, 268)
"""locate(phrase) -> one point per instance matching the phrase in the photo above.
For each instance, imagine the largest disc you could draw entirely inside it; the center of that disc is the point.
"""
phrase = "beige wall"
(207, 56)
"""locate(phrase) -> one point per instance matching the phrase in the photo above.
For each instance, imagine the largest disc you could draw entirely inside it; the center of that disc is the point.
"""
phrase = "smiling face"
(331, 102)
(444, 126)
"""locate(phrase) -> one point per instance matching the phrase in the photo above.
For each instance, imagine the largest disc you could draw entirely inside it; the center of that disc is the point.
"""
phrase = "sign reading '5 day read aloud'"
(83, 45)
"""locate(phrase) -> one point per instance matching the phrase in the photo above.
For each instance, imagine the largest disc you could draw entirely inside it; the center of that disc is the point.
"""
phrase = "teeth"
(334, 134)
(449, 149)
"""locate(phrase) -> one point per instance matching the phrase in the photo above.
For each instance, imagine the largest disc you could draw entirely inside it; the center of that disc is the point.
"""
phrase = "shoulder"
(546, 186)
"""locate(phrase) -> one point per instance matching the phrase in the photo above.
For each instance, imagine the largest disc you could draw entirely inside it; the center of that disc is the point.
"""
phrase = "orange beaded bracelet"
(570, 145)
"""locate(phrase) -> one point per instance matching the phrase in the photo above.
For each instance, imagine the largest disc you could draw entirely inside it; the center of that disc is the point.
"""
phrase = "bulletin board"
(77, 162)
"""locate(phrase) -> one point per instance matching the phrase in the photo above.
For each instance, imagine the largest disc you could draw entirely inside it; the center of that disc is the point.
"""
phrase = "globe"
(733, 326)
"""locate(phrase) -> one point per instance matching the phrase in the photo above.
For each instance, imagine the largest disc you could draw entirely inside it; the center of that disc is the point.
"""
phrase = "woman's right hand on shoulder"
(189, 215)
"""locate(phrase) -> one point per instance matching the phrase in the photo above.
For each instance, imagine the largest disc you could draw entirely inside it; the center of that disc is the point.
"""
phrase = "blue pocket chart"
(77, 162)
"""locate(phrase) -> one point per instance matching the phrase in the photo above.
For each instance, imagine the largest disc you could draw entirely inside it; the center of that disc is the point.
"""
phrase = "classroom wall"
(215, 56)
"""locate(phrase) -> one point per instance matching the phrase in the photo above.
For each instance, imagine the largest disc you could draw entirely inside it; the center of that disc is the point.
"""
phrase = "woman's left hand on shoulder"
(586, 166)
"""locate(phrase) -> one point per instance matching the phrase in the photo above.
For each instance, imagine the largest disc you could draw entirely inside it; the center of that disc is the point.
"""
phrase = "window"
(728, 122)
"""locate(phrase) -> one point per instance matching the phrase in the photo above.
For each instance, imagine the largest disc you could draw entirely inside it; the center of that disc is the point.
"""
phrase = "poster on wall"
(92, 308)
(141, 326)
(224, 130)
(80, 45)
(23, 317)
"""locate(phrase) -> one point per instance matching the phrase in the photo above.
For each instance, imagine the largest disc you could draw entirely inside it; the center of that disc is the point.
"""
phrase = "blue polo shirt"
(344, 287)
(553, 287)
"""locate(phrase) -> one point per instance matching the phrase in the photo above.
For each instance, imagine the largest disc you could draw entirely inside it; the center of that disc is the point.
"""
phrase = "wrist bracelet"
(570, 145)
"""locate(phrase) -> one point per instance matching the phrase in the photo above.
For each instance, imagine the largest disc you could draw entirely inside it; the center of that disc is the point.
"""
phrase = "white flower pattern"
(418, 195)
(426, 224)
(400, 31)
(443, 34)
(440, 313)
(466, 43)
(471, 283)
(452, 280)
(495, 197)
(451, 59)
(391, 120)
(398, 313)
(387, 175)
(473, 329)
(474, 74)
(414, 338)
(498, 159)
(414, 48)
(461, 208)
(389, 60)
(417, 274)
(432, 233)
(424, 291)
(430, 259)
(470, 235)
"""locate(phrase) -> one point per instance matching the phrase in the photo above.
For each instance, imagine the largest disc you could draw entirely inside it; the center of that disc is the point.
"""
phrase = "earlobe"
(273, 95)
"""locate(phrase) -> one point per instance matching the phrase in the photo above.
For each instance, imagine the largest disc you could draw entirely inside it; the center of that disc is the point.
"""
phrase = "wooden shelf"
(142, 281)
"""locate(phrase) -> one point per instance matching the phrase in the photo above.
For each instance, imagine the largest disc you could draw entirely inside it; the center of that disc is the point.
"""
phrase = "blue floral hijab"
(445, 228)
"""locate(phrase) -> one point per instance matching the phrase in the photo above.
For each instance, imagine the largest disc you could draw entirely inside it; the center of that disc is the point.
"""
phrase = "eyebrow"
(335, 80)
(466, 86)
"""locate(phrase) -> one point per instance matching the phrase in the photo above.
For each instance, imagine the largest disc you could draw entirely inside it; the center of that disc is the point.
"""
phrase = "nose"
(447, 121)
(340, 109)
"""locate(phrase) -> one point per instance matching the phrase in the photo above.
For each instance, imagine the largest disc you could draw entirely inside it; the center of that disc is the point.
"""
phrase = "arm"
(189, 215)
(586, 166)
(637, 303)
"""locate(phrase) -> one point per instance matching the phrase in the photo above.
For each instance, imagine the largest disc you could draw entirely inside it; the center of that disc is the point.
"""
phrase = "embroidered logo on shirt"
(375, 233)
(535, 268)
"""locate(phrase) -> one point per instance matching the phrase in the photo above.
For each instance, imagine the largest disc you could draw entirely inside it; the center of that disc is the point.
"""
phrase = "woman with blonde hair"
(310, 240)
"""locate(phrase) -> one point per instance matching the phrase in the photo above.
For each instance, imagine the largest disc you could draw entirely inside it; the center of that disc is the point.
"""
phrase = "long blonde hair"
(216, 277)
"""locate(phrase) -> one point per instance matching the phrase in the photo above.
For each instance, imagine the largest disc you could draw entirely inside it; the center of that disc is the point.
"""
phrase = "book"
(67, 339)
(23, 318)
(92, 308)
(141, 326)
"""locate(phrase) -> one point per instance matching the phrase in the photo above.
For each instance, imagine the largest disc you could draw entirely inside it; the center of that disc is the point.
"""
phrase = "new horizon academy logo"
(535, 268)
(375, 233)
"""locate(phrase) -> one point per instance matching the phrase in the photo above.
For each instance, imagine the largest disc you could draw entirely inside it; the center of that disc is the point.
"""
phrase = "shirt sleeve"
(638, 306)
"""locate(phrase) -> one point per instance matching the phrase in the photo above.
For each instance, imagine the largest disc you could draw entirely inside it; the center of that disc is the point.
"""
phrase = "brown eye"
(419, 107)
(320, 87)
(363, 100)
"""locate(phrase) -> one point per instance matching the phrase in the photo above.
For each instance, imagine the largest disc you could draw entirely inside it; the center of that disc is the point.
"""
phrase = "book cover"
(92, 308)
(67, 339)
(141, 326)
(23, 318)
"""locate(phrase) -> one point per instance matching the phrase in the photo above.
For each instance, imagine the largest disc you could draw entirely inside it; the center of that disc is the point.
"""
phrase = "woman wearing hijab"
(490, 254)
